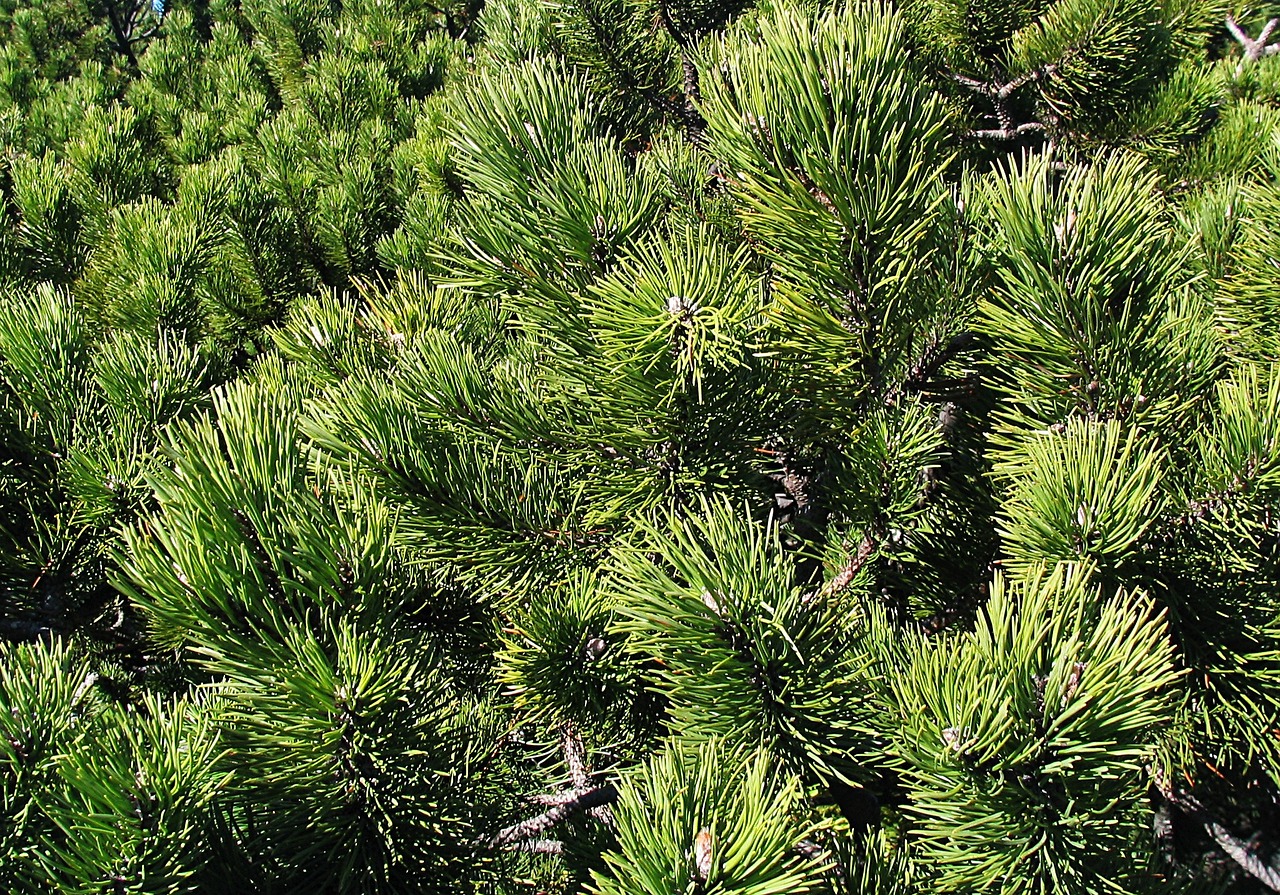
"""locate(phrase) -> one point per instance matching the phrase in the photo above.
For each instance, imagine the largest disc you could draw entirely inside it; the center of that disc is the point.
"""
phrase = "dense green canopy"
(639, 447)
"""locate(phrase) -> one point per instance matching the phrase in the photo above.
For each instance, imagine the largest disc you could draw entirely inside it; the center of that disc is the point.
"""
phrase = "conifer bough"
(639, 447)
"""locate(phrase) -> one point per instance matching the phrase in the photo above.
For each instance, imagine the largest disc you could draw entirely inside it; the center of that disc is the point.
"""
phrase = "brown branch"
(934, 358)
(123, 31)
(1267, 873)
(1007, 134)
(1001, 96)
(1007, 90)
(1266, 33)
(145, 35)
(1236, 31)
(551, 799)
(694, 124)
(866, 550)
(537, 826)
(921, 375)
(983, 87)
(575, 758)
(1254, 49)
(261, 557)
(540, 846)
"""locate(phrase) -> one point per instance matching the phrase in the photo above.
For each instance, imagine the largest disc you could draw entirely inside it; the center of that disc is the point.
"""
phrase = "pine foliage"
(639, 446)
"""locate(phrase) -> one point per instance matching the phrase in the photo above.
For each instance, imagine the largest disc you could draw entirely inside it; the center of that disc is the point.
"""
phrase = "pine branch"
(922, 375)
(1267, 873)
(629, 82)
(1006, 134)
(935, 357)
(1254, 49)
(540, 846)
(552, 799)
(124, 19)
(1001, 96)
(536, 826)
(575, 757)
(275, 587)
(866, 550)
(694, 124)
(146, 35)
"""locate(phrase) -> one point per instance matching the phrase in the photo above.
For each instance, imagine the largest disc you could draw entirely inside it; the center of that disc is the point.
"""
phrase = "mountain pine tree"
(639, 446)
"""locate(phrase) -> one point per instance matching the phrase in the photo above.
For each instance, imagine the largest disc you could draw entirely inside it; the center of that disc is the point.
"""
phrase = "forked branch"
(1254, 48)
(1001, 96)
(1240, 851)
(535, 827)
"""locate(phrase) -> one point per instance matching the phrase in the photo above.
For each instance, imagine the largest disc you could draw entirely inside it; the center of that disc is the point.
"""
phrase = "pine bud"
(702, 855)
(710, 602)
(1082, 517)
(1065, 230)
(679, 306)
(1073, 683)
(951, 738)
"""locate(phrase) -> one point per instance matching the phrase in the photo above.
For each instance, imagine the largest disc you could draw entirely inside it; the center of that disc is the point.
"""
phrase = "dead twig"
(1001, 96)
(1254, 48)
(1265, 872)
(510, 837)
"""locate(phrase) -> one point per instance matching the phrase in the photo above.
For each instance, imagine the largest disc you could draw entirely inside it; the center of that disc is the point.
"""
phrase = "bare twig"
(1001, 96)
(1008, 133)
(1007, 89)
(1254, 49)
(983, 87)
(866, 550)
(537, 826)
(540, 846)
(145, 35)
(1267, 873)
(575, 758)
(551, 799)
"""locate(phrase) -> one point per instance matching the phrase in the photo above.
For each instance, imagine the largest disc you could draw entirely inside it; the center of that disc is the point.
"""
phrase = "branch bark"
(922, 373)
(534, 827)
(1254, 49)
(695, 125)
(1265, 872)
(575, 757)
(866, 550)
(540, 846)
(1001, 96)
(934, 358)
(1008, 133)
